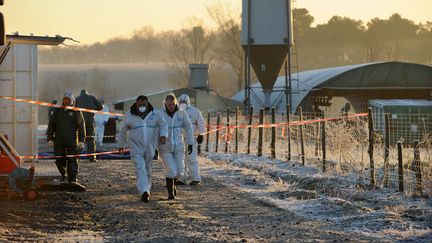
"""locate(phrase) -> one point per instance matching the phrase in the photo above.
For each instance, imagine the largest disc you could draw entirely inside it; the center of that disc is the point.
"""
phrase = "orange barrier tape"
(283, 124)
(41, 103)
(71, 156)
(110, 136)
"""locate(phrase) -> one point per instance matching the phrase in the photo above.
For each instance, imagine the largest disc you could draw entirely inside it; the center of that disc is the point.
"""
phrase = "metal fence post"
(323, 141)
(386, 149)
(301, 135)
(417, 164)
(273, 134)
(236, 129)
(371, 147)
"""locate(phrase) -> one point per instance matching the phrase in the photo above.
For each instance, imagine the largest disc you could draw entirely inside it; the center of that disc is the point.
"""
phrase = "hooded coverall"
(101, 120)
(173, 151)
(199, 127)
(142, 133)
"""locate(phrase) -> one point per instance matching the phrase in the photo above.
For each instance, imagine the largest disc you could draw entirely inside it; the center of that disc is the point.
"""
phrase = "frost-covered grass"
(346, 150)
(342, 202)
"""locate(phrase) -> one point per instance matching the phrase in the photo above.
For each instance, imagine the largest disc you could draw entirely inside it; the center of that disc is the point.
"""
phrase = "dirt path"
(110, 210)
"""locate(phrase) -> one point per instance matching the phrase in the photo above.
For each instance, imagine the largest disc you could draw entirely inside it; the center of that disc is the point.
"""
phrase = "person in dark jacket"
(89, 102)
(66, 133)
(51, 109)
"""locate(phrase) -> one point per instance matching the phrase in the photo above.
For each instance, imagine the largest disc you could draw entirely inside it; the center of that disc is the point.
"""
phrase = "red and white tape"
(72, 155)
(41, 103)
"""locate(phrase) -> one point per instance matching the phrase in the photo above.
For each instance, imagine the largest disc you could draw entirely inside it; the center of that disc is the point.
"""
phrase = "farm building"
(358, 84)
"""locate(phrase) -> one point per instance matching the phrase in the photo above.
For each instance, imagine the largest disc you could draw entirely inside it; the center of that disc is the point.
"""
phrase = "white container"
(18, 78)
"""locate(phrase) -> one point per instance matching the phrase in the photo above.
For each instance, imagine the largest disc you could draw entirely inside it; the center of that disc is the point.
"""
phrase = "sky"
(91, 21)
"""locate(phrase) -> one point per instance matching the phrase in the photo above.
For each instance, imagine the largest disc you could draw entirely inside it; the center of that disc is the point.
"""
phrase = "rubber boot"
(170, 188)
(145, 197)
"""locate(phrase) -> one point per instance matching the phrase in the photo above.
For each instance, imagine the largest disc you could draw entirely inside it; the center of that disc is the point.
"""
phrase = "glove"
(80, 145)
(50, 143)
(120, 150)
(190, 149)
(200, 139)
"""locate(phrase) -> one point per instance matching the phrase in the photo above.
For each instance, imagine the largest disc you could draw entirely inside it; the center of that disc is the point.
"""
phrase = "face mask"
(182, 106)
(142, 109)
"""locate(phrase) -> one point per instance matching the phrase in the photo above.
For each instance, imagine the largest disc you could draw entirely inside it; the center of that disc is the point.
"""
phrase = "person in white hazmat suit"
(199, 127)
(144, 128)
(100, 121)
(173, 151)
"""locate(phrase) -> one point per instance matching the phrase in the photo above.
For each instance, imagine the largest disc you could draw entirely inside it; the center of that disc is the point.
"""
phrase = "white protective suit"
(199, 127)
(143, 135)
(173, 151)
(100, 121)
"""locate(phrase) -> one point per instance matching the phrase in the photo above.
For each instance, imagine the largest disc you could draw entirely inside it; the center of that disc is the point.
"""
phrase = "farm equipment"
(21, 180)
(22, 177)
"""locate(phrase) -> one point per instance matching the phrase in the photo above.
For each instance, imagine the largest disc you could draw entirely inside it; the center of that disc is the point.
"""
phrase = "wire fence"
(339, 146)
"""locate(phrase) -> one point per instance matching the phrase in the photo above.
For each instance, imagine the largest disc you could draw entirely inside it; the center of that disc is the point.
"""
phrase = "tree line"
(340, 41)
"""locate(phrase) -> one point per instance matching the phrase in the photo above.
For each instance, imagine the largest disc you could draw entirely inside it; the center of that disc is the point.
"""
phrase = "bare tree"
(192, 44)
(228, 48)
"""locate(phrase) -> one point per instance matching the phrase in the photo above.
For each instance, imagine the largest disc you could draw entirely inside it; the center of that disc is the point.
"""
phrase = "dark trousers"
(69, 165)
(90, 137)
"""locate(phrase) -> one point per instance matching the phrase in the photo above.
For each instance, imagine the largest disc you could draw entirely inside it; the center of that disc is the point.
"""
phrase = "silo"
(266, 38)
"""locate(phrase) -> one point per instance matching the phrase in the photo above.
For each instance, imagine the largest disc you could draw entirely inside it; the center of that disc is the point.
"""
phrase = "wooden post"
(227, 131)
(301, 136)
(250, 129)
(208, 132)
(400, 167)
(260, 132)
(323, 141)
(417, 164)
(236, 129)
(386, 148)
(371, 147)
(273, 134)
(288, 109)
(217, 132)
